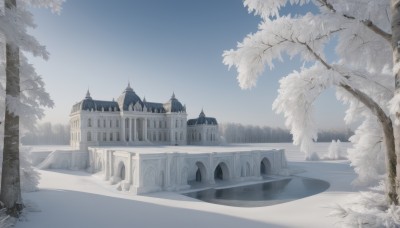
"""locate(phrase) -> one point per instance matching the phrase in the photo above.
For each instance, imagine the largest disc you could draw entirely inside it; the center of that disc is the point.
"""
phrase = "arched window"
(89, 122)
(89, 136)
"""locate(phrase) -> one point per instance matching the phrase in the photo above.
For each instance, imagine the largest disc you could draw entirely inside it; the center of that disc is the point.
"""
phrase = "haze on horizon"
(161, 47)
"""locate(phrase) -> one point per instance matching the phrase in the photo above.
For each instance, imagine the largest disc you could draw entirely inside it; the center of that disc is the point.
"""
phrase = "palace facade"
(132, 121)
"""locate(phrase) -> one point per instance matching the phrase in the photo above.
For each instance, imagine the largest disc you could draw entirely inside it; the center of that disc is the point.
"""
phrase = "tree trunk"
(10, 177)
(389, 140)
(395, 4)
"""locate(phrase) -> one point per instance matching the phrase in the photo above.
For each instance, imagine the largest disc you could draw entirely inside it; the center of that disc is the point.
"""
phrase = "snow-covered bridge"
(171, 168)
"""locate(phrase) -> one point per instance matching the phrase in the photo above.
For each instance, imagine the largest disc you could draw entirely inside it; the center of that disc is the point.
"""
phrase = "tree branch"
(377, 30)
(368, 23)
(361, 96)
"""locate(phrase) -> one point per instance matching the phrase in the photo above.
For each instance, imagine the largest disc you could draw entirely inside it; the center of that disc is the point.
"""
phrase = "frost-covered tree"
(366, 75)
(24, 90)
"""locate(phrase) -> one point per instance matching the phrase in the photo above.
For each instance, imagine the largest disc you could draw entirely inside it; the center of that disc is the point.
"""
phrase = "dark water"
(263, 194)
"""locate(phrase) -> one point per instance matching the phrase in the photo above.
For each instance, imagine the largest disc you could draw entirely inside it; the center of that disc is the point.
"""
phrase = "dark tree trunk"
(10, 177)
(395, 11)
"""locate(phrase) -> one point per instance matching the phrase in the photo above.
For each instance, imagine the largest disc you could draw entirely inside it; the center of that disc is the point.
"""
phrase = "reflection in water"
(263, 194)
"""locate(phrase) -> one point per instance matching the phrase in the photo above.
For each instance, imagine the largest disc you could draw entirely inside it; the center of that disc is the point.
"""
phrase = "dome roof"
(202, 119)
(87, 103)
(127, 98)
(173, 105)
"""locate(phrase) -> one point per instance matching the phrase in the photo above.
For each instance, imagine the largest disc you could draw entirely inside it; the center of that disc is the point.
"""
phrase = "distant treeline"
(59, 134)
(238, 133)
(47, 134)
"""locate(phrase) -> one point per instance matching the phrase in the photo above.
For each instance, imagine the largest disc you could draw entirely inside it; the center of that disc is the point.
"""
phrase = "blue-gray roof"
(127, 98)
(202, 119)
(173, 105)
(88, 104)
(154, 107)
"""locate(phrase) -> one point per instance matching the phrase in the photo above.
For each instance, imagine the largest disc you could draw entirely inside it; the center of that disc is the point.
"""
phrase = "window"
(148, 123)
(111, 136)
(176, 124)
(117, 124)
(89, 122)
(98, 123)
(89, 136)
(176, 136)
(159, 136)
(154, 124)
(159, 124)
(118, 138)
(104, 136)
(181, 136)
(98, 136)
(104, 123)
(110, 123)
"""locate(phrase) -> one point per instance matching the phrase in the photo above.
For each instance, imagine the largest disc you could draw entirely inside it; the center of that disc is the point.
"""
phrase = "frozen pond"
(263, 194)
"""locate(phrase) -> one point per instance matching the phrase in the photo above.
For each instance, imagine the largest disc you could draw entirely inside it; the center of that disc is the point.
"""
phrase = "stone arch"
(201, 172)
(221, 172)
(121, 171)
(265, 166)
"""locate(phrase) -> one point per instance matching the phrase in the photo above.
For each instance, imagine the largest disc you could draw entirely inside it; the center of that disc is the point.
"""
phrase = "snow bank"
(65, 159)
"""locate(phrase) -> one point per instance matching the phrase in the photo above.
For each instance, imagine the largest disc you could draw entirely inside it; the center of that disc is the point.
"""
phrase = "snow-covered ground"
(79, 199)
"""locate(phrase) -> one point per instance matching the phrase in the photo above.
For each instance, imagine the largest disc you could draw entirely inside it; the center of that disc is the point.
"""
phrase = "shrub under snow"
(335, 151)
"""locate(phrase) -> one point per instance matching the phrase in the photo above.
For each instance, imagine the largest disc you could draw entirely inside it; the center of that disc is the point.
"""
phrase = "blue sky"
(161, 47)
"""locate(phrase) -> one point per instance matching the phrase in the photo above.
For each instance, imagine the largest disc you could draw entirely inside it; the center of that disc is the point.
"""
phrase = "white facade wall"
(135, 127)
(203, 135)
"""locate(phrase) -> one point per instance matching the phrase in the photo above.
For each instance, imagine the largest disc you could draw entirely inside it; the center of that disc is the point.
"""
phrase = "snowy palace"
(141, 147)
(133, 121)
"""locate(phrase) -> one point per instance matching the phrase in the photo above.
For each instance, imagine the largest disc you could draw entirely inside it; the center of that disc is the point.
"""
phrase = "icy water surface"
(263, 194)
